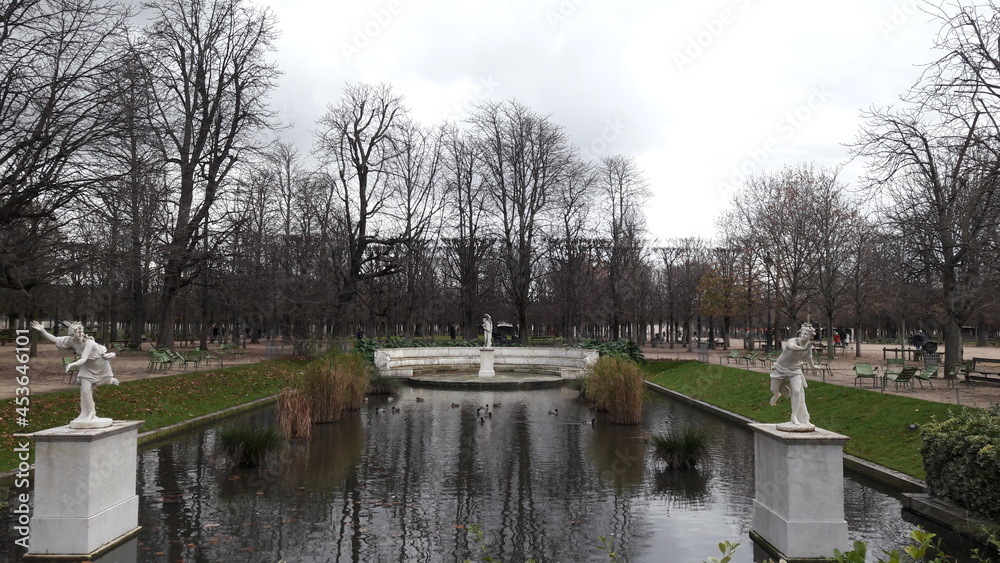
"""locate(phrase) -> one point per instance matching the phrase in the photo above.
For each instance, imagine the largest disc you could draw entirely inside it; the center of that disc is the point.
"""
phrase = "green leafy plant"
(621, 348)
(681, 449)
(727, 549)
(961, 458)
(248, 444)
(608, 547)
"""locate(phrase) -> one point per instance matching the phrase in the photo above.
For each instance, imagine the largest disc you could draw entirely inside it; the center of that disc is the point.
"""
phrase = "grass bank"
(877, 423)
(159, 402)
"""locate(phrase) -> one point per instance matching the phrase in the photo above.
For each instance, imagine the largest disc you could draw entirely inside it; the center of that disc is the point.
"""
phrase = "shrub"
(248, 444)
(621, 348)
(335, 383)
(294, 414)
(962, 460)
(616, 386)
(681, 449)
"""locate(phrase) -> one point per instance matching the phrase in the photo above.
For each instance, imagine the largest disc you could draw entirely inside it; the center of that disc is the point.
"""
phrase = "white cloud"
(699, 93)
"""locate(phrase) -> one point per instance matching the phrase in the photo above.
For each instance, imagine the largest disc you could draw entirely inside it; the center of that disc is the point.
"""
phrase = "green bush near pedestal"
(962, 460)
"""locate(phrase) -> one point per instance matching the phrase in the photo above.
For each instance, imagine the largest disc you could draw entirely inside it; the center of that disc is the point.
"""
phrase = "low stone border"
(406, 362)
(913, 491)
(160, 434)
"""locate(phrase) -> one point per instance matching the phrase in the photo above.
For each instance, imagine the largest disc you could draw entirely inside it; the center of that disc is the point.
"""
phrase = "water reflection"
(388, 486)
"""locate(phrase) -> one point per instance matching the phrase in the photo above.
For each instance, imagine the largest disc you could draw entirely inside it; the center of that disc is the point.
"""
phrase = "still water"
(411, 485)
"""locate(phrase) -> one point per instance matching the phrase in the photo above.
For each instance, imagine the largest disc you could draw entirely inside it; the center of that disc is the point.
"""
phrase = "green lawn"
(877, 423)
(159, 402)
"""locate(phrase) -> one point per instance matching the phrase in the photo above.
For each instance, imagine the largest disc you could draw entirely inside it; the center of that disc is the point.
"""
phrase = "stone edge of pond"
(895, 480)
(160, 434)
(913, 491)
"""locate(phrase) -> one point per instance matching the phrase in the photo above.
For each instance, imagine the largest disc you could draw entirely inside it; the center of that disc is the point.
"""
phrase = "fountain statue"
(787, 378)
(94, 370)
(488, 331)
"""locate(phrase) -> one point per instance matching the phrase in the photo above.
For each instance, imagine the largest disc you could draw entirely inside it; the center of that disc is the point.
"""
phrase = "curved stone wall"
(402, 362)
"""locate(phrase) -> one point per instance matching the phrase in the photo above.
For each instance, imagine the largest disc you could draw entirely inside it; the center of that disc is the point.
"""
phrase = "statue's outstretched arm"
(38, 326)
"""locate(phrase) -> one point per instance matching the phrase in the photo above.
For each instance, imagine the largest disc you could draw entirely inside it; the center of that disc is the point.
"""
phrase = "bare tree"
(468, 244)
(573, 255)
(56, 62)
(417, 174)
(526, 156)
(838, 222)
(358, 138)
(935, 164)
(775, 213)
(207, 62)
(625, 194)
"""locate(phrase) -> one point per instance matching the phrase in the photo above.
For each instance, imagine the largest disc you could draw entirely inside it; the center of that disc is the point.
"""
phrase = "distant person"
(452, 332)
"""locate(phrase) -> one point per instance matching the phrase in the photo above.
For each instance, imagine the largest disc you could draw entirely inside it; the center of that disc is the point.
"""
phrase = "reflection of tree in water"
(619, 453)
(687, 488)
(333, 450)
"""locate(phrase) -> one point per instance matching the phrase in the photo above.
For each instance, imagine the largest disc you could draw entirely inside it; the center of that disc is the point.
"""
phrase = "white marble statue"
(787, 378)
(94, 369)
(488, 331)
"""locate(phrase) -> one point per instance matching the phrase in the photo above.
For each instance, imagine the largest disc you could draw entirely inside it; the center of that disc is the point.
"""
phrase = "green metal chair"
(928, 374)
(905, 377)
(863, 372)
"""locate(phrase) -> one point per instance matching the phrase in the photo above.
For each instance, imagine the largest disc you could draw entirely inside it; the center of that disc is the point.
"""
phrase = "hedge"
(962, 460)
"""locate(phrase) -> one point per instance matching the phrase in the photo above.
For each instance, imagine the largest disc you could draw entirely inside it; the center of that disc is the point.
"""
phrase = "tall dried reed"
(294, 414)
(335, 383)
(616, 385)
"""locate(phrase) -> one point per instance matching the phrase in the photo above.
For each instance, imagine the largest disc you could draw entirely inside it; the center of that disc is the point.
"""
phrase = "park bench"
(983, 369)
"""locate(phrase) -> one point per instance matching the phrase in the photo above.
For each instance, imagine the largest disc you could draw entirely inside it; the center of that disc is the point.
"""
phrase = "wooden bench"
(983, 369)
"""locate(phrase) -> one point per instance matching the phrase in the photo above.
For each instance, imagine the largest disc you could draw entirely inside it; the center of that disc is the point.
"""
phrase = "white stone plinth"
(486, 362)
(85, 495)
(799, 500)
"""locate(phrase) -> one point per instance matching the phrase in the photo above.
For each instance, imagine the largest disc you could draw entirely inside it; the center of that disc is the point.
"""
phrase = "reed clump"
(381, 385)
(294, 414)
(248, 443)
(617, 386)
(681, 449)
(335, 383)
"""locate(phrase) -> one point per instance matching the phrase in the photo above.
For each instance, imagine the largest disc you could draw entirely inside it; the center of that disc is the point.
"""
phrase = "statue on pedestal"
(488, 331)
(787, 378)
(94, 367)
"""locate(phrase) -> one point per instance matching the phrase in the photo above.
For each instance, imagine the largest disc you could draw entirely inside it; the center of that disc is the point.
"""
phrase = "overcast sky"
(699, 92)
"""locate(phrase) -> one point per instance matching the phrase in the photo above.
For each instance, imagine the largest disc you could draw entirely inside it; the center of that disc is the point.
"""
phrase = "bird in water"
(554, 411)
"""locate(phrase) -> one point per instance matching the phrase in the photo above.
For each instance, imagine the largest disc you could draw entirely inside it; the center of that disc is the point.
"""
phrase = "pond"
(414, 485)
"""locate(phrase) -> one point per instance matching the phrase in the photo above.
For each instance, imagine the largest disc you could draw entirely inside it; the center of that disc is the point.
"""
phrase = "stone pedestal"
(85, 490)
(799, 498)
(486, 362)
